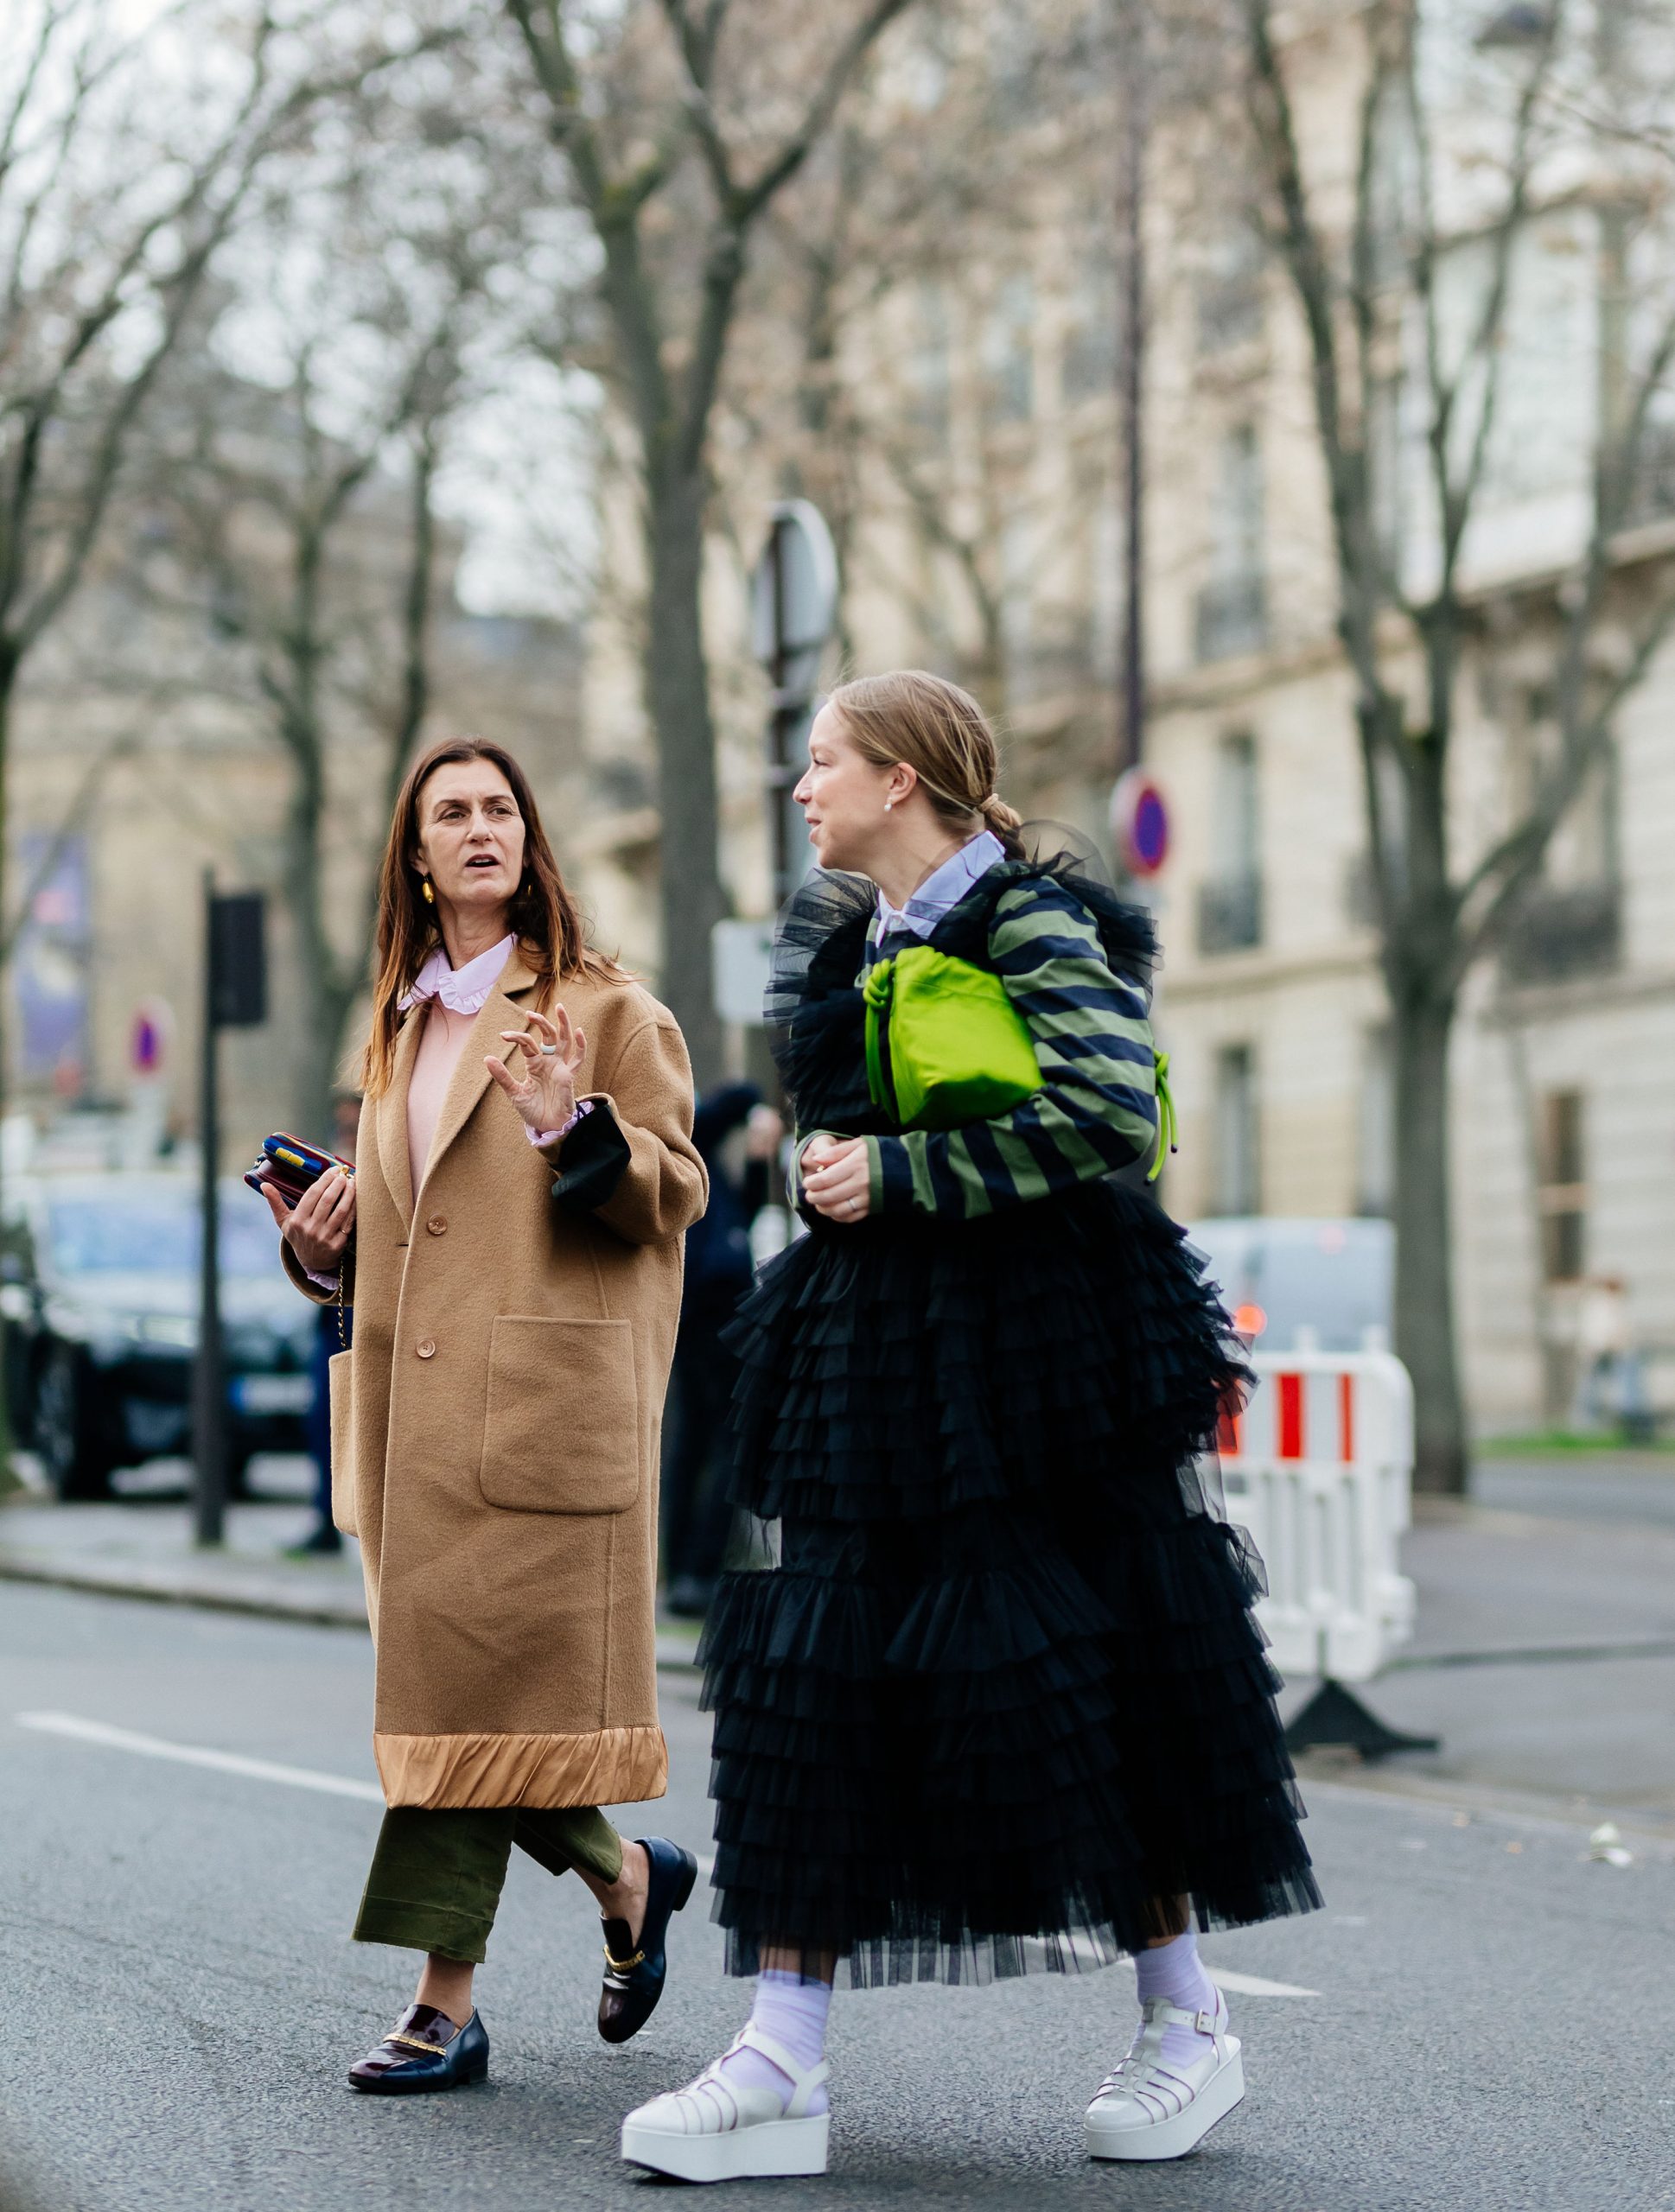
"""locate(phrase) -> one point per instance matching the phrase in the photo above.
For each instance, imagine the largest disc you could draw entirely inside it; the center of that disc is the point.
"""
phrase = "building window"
(1011, 351)
(1090, 345)
(1562, 1197)
(1230, 291)
(930, 368)
(1236, 1168)
(1568, 920)
(1232, 606)
(1230, 902)
(1376, 1137)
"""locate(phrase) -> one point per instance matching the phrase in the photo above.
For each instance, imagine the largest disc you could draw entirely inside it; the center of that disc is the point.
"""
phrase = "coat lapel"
(391, 1123)
(470, 1078)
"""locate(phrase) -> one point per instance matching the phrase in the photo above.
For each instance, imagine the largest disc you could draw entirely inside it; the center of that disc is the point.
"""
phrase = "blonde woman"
(511, 1246)
(1003, 1703)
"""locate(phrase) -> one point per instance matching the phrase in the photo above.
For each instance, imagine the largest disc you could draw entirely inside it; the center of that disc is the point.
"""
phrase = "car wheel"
(72, 1463)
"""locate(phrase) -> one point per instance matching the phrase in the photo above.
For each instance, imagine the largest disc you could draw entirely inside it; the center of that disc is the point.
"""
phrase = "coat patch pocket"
(339, 1388)
(562, 1430)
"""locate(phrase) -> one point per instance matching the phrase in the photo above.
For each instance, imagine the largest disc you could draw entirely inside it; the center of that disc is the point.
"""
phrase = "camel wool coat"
(496, 1428)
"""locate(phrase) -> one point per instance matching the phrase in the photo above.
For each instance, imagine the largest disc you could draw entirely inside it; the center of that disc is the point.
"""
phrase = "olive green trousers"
(436, 1877)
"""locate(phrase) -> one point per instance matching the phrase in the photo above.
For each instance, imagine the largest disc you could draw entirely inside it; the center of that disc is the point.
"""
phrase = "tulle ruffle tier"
(904, 1369)
(1005, 1695)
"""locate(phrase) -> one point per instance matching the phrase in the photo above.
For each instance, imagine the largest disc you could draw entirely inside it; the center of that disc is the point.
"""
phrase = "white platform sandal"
(716, 2129)
(1149, 2109)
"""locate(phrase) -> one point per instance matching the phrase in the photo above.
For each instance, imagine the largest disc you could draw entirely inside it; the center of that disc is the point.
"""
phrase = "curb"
(674, 1654)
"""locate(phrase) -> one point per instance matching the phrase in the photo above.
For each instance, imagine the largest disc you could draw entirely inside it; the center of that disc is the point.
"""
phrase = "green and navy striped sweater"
(1097, 1109)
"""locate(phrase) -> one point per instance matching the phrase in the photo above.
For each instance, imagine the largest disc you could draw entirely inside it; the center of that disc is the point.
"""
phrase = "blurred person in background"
(1004, 1703)
(511, 1244)
(699, 1513)
(334, 1333)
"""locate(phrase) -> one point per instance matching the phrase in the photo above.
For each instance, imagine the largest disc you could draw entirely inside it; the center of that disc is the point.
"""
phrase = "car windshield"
(129, 1234)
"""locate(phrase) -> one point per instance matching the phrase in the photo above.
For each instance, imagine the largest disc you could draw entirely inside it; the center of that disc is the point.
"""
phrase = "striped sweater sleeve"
(1097, 1108)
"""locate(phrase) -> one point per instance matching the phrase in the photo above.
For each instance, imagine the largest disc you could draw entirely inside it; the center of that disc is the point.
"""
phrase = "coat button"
(427, 1349)
(437, 1224)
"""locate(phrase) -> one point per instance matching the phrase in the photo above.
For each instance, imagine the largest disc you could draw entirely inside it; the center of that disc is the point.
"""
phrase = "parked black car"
(101, 1293)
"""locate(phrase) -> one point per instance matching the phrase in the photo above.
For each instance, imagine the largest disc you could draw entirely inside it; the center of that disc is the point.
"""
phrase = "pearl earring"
(889, 804)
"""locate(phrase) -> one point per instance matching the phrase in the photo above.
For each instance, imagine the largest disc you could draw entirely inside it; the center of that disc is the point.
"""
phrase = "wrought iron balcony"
(1231, 617)
(1230, 913)
(1561, 932)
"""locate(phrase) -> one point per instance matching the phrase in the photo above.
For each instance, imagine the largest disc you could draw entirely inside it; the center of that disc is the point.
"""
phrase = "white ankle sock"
(793, 2013)
(1175, 1973)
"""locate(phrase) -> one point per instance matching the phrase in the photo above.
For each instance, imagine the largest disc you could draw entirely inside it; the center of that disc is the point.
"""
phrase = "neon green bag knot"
(945, 1045)
(1168, 1129)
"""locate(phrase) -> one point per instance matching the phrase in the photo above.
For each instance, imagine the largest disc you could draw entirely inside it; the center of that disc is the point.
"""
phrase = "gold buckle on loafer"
(418, 2042)
(623, 1966)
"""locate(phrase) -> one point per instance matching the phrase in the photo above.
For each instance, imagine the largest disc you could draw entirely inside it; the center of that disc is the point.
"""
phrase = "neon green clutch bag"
(945, 1043)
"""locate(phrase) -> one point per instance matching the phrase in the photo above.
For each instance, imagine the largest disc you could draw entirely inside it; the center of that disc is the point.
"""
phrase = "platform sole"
(1172, 2137)
(778, 2149)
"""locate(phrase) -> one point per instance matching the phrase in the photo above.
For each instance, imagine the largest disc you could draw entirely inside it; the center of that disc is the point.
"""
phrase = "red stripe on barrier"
(1230, 1426)
(1291, 1416)
(1346, 1418)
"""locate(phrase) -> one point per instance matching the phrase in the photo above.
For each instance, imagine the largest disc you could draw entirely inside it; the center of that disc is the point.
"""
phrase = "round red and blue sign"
(1140, 822)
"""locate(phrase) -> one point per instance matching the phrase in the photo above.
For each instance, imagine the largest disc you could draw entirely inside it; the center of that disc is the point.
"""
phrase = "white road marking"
(154, 1747)
(338, 1785)
(1247, 1985)
(1252, 1985)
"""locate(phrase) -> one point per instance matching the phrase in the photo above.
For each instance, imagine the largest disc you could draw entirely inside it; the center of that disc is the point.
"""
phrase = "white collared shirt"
(942, 889)
(461, 990)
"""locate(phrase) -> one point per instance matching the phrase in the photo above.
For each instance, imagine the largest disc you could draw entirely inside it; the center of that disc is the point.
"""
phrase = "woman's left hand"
(837, 1180)
(544, 1088)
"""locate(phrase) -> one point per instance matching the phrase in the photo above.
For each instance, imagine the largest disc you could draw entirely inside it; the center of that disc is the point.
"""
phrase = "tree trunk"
(678, 698)
(1424, 1244)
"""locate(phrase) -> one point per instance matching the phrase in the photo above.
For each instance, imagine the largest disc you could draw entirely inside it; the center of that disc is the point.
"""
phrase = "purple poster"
(50, 965)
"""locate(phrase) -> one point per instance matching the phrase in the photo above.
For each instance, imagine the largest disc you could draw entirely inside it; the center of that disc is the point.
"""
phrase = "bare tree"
(1407, 273)
(681, 123)
(126, 161)
(305, 518)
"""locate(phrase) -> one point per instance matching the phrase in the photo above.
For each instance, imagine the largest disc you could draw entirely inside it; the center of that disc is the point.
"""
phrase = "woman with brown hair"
(1003, 1704)
(510, 1243)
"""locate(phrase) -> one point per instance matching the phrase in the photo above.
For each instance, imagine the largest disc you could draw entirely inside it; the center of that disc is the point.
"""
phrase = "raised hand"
(548, 1054)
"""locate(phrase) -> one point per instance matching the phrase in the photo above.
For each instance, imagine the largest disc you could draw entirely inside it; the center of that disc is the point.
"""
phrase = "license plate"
(273, 1394)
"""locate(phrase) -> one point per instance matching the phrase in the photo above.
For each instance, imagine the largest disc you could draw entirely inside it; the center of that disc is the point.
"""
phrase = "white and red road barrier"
(1319, 1467)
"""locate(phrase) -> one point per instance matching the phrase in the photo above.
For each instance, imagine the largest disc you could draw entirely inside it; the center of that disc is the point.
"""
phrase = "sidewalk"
(141, 1546)
(1543, 1656)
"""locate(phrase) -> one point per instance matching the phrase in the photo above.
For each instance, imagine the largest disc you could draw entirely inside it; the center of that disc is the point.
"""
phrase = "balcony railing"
(1232, 616)
(1560, 933)
(1230, 913)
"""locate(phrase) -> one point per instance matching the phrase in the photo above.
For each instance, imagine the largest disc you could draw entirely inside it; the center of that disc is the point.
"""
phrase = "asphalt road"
(1491, 2028)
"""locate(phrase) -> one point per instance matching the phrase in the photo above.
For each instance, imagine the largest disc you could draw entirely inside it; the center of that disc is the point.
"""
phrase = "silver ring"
(549, 1051)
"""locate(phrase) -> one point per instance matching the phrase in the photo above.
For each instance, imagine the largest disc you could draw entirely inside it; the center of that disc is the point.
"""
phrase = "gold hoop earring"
(529, 887)
(425, 891)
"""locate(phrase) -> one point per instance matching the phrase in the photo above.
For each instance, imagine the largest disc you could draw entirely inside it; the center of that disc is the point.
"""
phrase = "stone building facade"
(992, 382)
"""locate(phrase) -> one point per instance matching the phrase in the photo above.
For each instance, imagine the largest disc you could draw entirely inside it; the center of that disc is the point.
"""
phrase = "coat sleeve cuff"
(889, 1176)
(589, 1161)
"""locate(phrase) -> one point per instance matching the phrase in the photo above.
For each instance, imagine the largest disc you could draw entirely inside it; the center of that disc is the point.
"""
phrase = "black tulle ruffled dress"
(1004, 1691)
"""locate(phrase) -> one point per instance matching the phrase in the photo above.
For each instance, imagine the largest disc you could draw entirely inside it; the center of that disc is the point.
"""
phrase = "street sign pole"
(781, 774)
(235, 997)
(209, 1422)
(793, 605)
